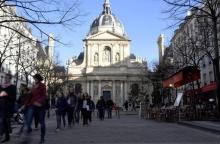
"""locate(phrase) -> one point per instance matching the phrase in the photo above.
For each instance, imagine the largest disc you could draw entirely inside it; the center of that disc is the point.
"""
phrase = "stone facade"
(106, 67)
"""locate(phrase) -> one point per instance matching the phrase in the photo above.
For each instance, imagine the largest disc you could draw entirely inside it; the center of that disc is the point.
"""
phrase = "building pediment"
(107, 35)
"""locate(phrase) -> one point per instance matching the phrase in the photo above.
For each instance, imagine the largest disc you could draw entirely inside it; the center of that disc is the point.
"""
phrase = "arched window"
(117, 57)
(107, 54)
(96, 57)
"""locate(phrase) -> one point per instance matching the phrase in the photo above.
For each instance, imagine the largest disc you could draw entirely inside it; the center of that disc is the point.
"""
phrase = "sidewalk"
(210, 126)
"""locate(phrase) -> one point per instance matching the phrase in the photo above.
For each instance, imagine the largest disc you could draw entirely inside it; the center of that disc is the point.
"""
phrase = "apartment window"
(1, 80)
(211, 76)
(204, 79)
(203, 62)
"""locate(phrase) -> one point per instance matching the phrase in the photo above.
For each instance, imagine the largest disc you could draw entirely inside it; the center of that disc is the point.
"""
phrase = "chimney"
(50, 46)
(160, 43)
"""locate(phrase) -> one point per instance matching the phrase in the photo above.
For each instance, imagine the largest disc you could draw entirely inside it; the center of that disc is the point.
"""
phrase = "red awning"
(210, 87)
(191, 92)
(182, 77)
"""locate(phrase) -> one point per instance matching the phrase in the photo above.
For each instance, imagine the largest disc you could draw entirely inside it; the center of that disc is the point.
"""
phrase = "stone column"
(113, 91)
(92, 89)
(122, 92)
(87, 86)
(126, 91)
(99, 93)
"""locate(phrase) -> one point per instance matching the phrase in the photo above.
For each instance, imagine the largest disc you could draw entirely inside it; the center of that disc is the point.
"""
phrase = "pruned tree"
(160, 72)
(200, 9)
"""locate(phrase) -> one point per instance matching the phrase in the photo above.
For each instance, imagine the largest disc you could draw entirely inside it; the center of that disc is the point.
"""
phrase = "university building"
(107, 67)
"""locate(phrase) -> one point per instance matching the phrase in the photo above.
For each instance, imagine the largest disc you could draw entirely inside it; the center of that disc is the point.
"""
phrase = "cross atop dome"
(106, 7)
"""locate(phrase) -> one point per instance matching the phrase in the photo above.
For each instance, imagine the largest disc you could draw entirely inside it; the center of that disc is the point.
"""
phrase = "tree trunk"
(26, 78)
(216, 64)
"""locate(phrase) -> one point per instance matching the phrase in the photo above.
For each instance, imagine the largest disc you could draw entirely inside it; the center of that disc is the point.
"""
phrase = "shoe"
(57, 129)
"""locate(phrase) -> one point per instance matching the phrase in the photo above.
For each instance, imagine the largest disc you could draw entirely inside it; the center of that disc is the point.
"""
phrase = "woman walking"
(36, 105)
(61, 107)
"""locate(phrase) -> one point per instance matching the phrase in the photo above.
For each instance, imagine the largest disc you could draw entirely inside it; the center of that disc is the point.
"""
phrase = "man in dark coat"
(2, 115)
(8, 96)
(109, 105)
(101, 105)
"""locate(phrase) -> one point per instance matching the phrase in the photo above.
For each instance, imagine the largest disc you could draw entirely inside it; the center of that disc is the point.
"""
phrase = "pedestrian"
(8, 95)
(126, 105)
(61, 107)
(78, 107)
(2, 115)
(71, 100)
(91, 108)
(101, 105)
(133, 106)
(109, 105)
(85, 109)
(36, 105)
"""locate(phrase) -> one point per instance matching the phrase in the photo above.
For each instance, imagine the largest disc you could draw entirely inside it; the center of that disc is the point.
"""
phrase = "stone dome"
(107, 21)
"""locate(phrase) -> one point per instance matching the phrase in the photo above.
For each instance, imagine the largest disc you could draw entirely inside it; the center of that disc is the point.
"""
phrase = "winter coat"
(61, 105)
(101, 104)
(9, 100)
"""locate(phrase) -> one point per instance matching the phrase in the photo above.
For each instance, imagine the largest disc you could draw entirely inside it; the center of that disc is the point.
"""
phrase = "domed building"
(106, 67)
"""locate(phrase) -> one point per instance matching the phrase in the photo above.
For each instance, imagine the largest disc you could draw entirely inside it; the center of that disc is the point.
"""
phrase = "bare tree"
(8, 47)
(27, 64)
(209, 9)
(38, 13)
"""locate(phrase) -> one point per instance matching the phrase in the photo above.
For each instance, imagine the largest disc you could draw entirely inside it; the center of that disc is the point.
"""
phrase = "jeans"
(77, 115)
(109, 112)
(41, 115)
(59, 116)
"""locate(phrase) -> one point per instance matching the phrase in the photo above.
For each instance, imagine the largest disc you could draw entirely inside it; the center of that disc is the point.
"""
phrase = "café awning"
(182, 77)
(210, 87)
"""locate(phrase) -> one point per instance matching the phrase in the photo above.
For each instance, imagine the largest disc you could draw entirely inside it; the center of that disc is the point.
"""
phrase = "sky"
(142, 19)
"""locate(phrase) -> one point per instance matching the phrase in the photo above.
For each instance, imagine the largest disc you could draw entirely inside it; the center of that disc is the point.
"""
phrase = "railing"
(184, 113)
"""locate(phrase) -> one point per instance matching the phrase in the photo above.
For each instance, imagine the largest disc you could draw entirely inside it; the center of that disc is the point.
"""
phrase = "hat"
(38, 76)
